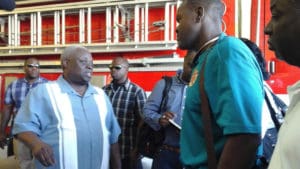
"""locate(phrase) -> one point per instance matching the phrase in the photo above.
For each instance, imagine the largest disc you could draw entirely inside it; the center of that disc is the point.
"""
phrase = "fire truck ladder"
(125, 26)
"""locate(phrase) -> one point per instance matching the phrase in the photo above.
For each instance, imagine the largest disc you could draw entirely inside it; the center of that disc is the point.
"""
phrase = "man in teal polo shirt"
(233, 84)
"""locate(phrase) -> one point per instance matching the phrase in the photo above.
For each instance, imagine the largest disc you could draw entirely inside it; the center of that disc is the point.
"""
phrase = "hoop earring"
(224, 26)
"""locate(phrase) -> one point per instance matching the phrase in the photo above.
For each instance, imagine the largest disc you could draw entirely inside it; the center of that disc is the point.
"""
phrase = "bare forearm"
(40, 150)
(115, 158)
(5, 116)
(4, 122)
(243, 146)
(29, 138)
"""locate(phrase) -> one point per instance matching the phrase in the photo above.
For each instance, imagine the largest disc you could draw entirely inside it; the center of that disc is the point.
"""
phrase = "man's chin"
(87, 79)
(182, 46)
(279, 55)
(32, 77)
(288, 60)
(271, 48)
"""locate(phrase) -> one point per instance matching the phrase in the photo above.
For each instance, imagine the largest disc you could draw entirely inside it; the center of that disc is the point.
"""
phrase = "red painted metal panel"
(48, 30)
(72, 28)
(98, 27)
(25, 31)
(254, 20)
(229, 17)
(156, 14)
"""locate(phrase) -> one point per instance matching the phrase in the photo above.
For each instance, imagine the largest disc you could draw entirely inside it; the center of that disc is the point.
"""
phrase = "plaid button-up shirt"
(127, 101)
(17, 91)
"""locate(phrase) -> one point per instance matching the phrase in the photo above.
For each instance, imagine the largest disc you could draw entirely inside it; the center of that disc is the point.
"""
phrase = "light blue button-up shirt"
(69, 122)
(175, 104)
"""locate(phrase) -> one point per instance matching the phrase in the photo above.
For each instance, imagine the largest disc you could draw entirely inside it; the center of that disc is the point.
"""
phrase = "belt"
(171, 148)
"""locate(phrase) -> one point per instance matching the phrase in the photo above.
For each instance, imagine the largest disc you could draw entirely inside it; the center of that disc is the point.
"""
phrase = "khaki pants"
(23, 155)
(8, 163)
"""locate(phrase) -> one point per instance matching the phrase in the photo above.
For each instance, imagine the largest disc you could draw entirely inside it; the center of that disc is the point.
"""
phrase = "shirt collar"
(125, 85)
(36, 81)
(195, 61)
(178, 77)
(66, 87)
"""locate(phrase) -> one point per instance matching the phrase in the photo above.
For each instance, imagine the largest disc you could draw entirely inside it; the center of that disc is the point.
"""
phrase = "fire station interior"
(141, 30)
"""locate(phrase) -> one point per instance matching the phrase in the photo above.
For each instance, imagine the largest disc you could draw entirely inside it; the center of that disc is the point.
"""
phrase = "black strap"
(206, 120)
(280, 104)
(168, 84)
(272, 112)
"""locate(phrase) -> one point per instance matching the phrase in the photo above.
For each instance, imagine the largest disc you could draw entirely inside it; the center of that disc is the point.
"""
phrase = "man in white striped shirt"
(68, 123)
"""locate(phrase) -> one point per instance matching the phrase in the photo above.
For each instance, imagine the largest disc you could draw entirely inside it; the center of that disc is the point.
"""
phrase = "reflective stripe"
(102, 109)
(66, 127)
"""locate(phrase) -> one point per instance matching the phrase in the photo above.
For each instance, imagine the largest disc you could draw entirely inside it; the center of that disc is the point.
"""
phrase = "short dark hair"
(123, 59)
(206, 3)
(259, 57)
(28, 58)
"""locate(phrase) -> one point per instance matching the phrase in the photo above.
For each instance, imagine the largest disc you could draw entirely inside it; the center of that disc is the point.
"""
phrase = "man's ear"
(64, 63)
(199, 11)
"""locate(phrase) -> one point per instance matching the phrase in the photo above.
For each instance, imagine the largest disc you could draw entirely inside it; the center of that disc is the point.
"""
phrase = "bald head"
(198, 22)
(31, 69)
(216, 5)
(72, 51)
(77, 65)
(122, 60)
(119, 70)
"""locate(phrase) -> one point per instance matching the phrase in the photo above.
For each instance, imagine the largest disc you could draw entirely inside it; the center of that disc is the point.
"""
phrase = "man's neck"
(31, 80)
(183, 79)
(120, 81)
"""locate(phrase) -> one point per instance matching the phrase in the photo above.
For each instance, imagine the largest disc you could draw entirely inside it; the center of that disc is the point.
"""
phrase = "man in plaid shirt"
(14, 96)
(128, 101)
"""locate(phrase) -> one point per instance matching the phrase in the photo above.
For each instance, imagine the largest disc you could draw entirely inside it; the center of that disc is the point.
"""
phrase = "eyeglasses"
(33, 65)
(117, 67)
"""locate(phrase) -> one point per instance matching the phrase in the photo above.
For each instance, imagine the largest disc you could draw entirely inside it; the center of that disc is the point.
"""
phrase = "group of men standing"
(69, 110)
(68, 123)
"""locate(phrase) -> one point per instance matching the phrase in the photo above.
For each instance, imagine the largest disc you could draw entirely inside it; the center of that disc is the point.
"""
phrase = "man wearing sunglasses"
(128, 101)
(14, 96)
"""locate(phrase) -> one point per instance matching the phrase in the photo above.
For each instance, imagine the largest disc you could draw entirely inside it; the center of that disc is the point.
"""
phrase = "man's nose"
(267, 29)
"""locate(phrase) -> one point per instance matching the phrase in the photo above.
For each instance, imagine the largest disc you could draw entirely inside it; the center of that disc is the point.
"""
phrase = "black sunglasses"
(33, 65)
(117, 67)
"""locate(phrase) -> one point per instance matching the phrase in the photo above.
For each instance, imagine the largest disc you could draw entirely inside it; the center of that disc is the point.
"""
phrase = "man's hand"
(3, 141)
(134, 157)
(5, 115)
(44, 153)
(164, 119)
(40, 150)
